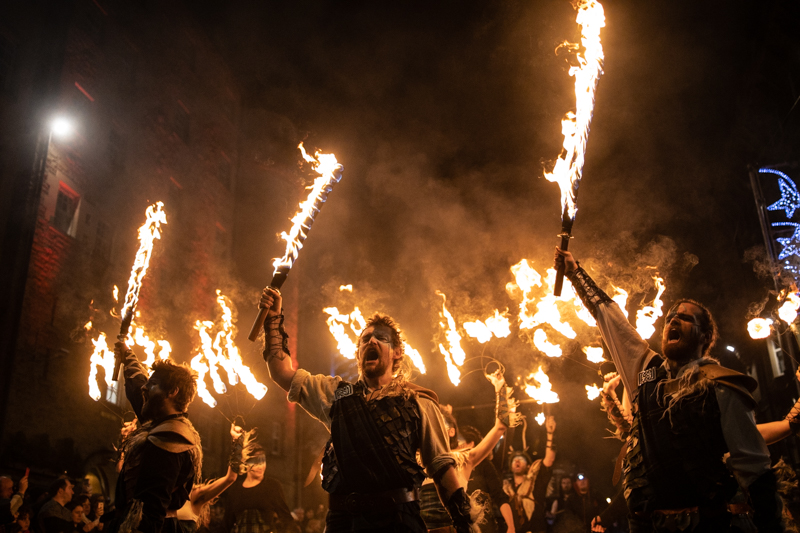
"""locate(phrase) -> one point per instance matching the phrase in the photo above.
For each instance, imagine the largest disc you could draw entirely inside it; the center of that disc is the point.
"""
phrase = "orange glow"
(148, 233)
(788, 310)
(454, 356)
(594, 354)
(543, 393)
(101, 357)
(326, 166)
(621, 298)
(592, 391)
(497, 326)
(544, 346)
(647, 316)
(575, 126)
(759, 328)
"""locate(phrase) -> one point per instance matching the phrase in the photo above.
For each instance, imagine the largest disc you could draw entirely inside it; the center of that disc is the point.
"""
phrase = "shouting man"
(377, 425)
(688, 412)
(162, 458)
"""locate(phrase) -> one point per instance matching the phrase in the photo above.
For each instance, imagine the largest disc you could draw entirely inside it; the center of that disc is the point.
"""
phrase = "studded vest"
(674, 460)
(373, 443)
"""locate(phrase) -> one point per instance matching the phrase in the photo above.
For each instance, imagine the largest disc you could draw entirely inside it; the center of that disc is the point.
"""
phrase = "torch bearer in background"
(575, 126)
(148, 233)
(330, 173)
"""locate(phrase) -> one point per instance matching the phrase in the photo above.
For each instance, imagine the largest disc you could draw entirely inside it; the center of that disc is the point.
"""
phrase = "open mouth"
(371, 354)
(673, 336)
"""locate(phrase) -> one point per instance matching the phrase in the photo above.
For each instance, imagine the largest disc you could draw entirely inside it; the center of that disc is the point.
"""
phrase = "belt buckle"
(351, 503)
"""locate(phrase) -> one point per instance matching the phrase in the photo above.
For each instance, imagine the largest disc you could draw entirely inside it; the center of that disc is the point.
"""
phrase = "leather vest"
(373, 444)
(674, 459)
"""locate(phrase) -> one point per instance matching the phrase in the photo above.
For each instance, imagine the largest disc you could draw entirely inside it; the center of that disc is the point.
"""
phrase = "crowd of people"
(693, 457)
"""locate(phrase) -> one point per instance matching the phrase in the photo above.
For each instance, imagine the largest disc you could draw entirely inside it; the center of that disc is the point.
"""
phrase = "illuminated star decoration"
(790, 198)
(790, 244)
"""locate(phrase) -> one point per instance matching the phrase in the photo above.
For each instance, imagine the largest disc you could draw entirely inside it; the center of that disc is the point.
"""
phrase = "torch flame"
(542, 393)
(415, 357)
(329, 173)
(148, 233)
(544, 346)
(759, 328)
(221, 352)
(788, 311)
(647, 316)
(592, 391)
(540, 418)
(496, 325)
(455, 356)
(594, 354)
(575, 126)
(348, 288)
(101, 357)
(621, 298)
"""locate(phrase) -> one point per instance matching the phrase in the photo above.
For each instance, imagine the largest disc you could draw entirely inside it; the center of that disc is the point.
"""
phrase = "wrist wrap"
(590, 294)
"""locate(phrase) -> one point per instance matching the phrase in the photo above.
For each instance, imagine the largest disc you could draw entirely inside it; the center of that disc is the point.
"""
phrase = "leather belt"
(357, 503)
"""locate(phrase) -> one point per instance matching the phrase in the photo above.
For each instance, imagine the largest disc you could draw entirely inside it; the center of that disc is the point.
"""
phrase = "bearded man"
(162, 459)
(377, 426)
(688, 412)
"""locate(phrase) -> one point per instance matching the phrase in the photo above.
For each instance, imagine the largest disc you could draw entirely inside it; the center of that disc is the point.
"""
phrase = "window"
(67, 202)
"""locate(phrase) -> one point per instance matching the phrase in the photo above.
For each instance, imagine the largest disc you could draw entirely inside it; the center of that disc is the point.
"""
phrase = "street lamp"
(61, 127)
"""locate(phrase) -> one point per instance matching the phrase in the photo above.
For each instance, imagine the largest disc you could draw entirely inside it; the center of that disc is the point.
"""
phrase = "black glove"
(766, 503)
(458, 506)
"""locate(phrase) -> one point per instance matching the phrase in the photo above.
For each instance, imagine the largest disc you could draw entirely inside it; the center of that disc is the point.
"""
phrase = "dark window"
(116, 152)
(102, 241)
(224, 172)
(7, 52)
(182, 124)
(66, 208)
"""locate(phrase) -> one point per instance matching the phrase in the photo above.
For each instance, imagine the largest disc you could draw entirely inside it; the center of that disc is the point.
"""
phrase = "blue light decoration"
(778, 201)
(790, 197)
(791, 245)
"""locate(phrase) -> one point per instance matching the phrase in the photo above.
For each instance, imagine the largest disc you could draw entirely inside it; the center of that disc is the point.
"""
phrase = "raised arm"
(550, 450)
(135, 376)
(628, 350)
(276, 349)
(780, 429)
(505, 417)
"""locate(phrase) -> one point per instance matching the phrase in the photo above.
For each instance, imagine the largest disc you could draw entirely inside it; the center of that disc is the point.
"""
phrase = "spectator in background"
(97, 508)
(23, 522)
(11, 501)
(84, 502)
(485, 478)
(53, 514)
(582, 502)
(559, 501)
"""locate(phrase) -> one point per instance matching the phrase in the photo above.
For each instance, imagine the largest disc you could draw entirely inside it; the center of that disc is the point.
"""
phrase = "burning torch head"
(689, 331)
(380, 347)
(170, 387)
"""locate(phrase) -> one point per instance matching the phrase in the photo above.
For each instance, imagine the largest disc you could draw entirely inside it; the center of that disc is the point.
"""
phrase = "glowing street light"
(61, 127)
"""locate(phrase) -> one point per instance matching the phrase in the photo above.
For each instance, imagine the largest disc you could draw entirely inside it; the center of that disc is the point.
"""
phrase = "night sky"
(445, 114)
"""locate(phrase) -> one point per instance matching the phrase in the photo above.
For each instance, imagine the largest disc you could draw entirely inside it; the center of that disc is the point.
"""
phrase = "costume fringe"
(248, 447)
(132, 519)
(480, 508)
(688, 388)
(787, 483)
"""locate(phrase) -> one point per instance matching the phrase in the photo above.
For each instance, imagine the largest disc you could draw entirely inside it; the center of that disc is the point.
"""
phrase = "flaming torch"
(148, 233)
(330, 173)
(575, 126)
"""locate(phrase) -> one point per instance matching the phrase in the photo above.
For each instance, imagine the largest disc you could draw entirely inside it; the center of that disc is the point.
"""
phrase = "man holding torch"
(377, 425)
(162, 458)
(688, 412)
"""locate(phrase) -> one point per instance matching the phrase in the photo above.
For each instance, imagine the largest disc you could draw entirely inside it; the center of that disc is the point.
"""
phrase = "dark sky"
(444, 115)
